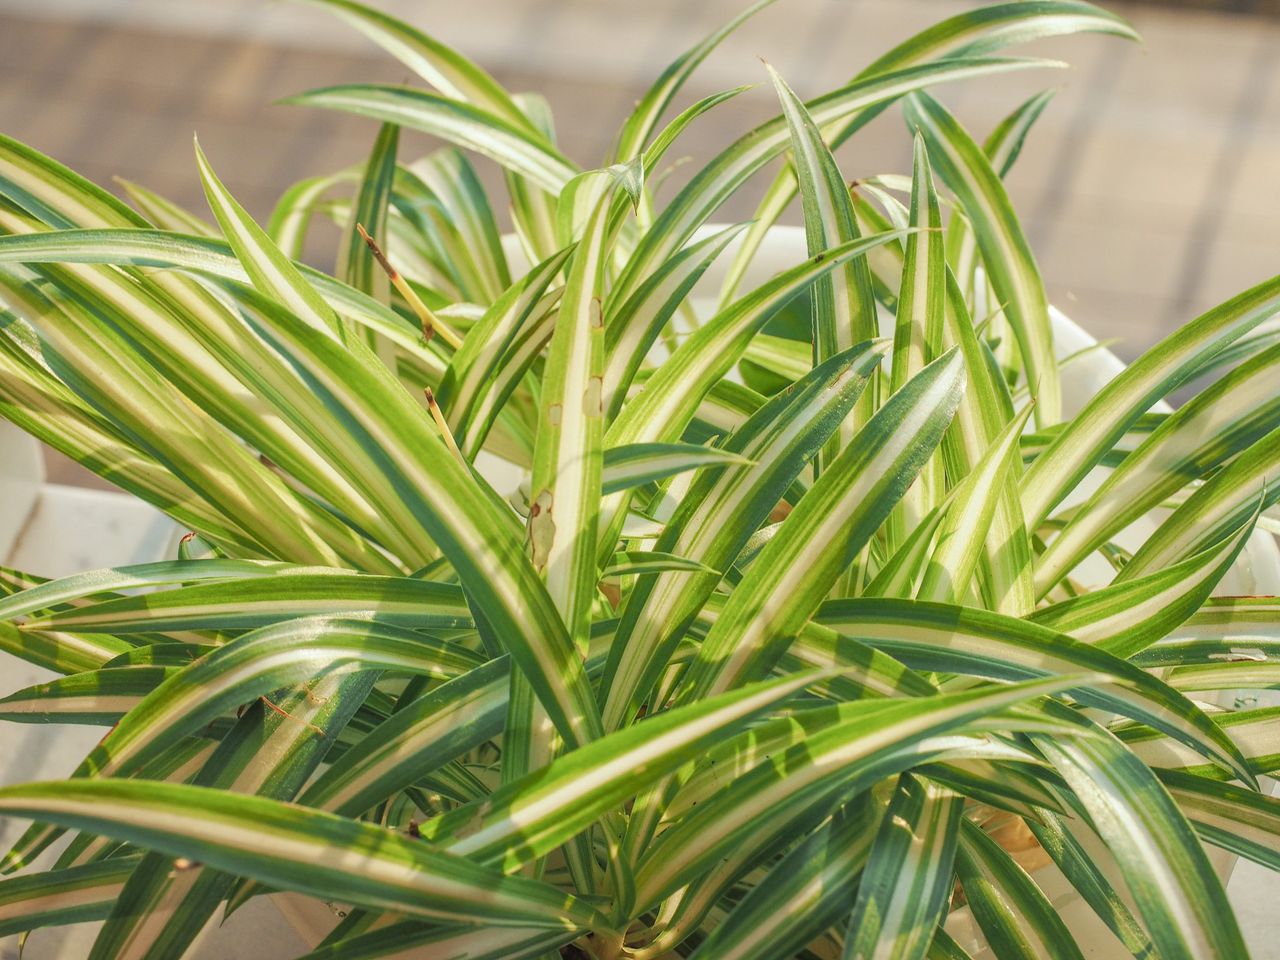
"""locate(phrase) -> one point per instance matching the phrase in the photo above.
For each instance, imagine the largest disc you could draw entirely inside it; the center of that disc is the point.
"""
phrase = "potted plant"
(576, 600)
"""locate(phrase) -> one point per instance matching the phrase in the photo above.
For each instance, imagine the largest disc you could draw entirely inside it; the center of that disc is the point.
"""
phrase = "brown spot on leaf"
(612, 592)
(542, 529)
(593, 399)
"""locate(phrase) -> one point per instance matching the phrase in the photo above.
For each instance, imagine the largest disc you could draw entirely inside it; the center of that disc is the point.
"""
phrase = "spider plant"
(540, 601)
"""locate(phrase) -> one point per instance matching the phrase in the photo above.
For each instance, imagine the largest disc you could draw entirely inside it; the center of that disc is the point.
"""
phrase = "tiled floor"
(69, 530)
(1149, 189)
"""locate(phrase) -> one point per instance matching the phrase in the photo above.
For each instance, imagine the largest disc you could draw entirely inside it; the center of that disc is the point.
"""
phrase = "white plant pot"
(54, 531)
(21, 474)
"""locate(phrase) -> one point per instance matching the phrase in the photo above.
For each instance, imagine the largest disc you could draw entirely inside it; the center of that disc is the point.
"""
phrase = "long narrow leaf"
(295, 848)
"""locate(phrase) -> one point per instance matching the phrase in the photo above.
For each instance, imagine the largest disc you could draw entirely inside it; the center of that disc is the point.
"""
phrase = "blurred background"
(1148, 188)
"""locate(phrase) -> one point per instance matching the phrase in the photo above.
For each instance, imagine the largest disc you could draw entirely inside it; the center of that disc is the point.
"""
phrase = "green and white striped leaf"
(205, 256)
(580, 196)
(1126, 618)
(533, 210)
(568, 453)
(1234, 497)
(1004, 144)
(982, 30)
(195, 380)
(261, 661)
(291, 218)
(57, 195)
(636, 464)
(640, 562)
(1243, 821)
(844, 309)
(1002, 147)
(96, 585)
(867, 670)
(670, 397)
(801, 896)
(518, 148)
(723, 176)
(696, 904)
(403, 940)
(788, 359)
(270, 751)
(778, 440)
(295, 848)
(35, 401)
(632, 327)
(268, 269)
(163, 212)
(830, 524)
(441, 66)
(1174, 887)
(58, 897)
(492, 358)
(445, 189)
(643, 120)
(236, 604)
(94, 697)
(1007, 582)
(917, 335)
(999, 25)
(1105, 418)
(1014, 914)
(1054, 835)
(878, 740)
(208, 363)
(1249, 626)
(1233, 413)
(1253, 731)
(457, 716)
(436, 493)
(106, 368)
(963, 531)
(950, 639)
(565, 487)
(524, 819)
(370, 210)
(908, 877)
(944, 947)
(1009, 263)
(298, 675)
(61, 652)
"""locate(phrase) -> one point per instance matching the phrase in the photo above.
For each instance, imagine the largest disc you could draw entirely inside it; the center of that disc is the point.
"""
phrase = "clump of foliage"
(786, 630)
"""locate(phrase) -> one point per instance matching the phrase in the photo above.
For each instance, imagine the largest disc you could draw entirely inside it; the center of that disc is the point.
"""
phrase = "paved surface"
(1148, 188)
